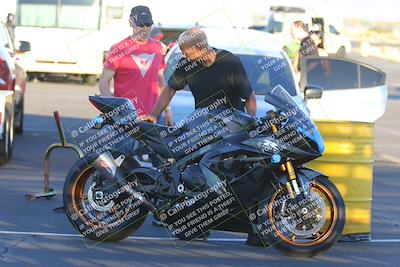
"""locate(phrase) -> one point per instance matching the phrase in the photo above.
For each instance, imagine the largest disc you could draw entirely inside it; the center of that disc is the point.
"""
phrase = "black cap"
(141, 15)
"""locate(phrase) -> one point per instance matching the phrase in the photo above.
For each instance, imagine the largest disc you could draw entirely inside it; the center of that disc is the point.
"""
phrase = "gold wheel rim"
(320, 237)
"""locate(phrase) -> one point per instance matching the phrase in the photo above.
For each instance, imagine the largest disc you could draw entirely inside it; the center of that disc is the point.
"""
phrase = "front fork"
(292, 185)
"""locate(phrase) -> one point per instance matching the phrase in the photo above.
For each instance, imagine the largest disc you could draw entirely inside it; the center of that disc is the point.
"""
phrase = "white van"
(281, 18)
(70, 37)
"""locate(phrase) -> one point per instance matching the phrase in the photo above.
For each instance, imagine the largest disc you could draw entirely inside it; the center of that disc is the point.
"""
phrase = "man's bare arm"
(295, 62)
(163, 101)
(251, 104)
(161, 80)
(104, 82)
(167, 111)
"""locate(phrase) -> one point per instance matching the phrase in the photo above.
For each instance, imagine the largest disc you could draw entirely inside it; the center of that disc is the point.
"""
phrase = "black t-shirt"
(307, 48)
(224, 82)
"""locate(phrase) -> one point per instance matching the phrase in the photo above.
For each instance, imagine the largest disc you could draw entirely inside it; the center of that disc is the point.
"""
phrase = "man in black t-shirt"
(226, 77)
(215, 77)
(308, 47)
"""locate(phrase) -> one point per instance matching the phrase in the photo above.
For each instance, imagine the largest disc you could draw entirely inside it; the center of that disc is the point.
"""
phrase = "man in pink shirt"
(136, 64)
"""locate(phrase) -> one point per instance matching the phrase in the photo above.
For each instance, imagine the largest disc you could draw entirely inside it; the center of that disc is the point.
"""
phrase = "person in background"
(307, 46)
(317, 37)
(10, 24)
(292, 48)
(156, 33)
(136, 64)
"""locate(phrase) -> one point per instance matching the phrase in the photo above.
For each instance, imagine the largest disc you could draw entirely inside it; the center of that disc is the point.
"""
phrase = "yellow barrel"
(348, 161)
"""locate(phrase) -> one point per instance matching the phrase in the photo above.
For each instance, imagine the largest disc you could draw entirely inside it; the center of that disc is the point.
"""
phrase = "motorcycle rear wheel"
(99, 223)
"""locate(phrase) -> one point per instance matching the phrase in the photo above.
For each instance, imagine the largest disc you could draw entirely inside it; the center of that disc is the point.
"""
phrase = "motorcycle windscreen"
(296, 128)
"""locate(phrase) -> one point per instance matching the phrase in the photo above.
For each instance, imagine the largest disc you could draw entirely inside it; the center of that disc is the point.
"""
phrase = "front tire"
(110, 221)
(295, 234)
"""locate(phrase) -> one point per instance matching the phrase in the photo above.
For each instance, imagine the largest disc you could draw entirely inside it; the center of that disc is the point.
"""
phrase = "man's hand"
(251, 104)
(152, 119)
(168, 118)
(162, 101)
(148, 118)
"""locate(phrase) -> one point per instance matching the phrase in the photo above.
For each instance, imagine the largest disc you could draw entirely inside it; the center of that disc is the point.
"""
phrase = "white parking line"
(389, 130)
(384, 241)
(46, 130)
(39, 130)
(166, 238)
(38, 234)
(131, 237)
(390, 158)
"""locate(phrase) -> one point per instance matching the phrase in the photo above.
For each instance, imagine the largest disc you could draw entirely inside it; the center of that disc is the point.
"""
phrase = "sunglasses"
(144, 24)
(140, 24)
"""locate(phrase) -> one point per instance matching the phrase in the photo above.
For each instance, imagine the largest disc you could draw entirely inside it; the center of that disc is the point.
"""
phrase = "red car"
(12, 89)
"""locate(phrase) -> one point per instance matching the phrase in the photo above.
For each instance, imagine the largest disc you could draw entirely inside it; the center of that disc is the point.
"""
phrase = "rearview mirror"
(312, 92)
(24, 46)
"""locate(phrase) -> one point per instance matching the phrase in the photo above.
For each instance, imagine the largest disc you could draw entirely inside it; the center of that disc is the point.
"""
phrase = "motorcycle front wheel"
(306, 227)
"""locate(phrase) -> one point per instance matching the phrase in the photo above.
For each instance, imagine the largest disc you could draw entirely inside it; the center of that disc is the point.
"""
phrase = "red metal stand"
(49, 192)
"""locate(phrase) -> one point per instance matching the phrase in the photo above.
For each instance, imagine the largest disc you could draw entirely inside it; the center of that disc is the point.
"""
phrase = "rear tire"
(84, 218)
(309, 246)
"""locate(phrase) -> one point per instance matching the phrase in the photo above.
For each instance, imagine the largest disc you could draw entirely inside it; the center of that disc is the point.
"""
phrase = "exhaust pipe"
(109, 168)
